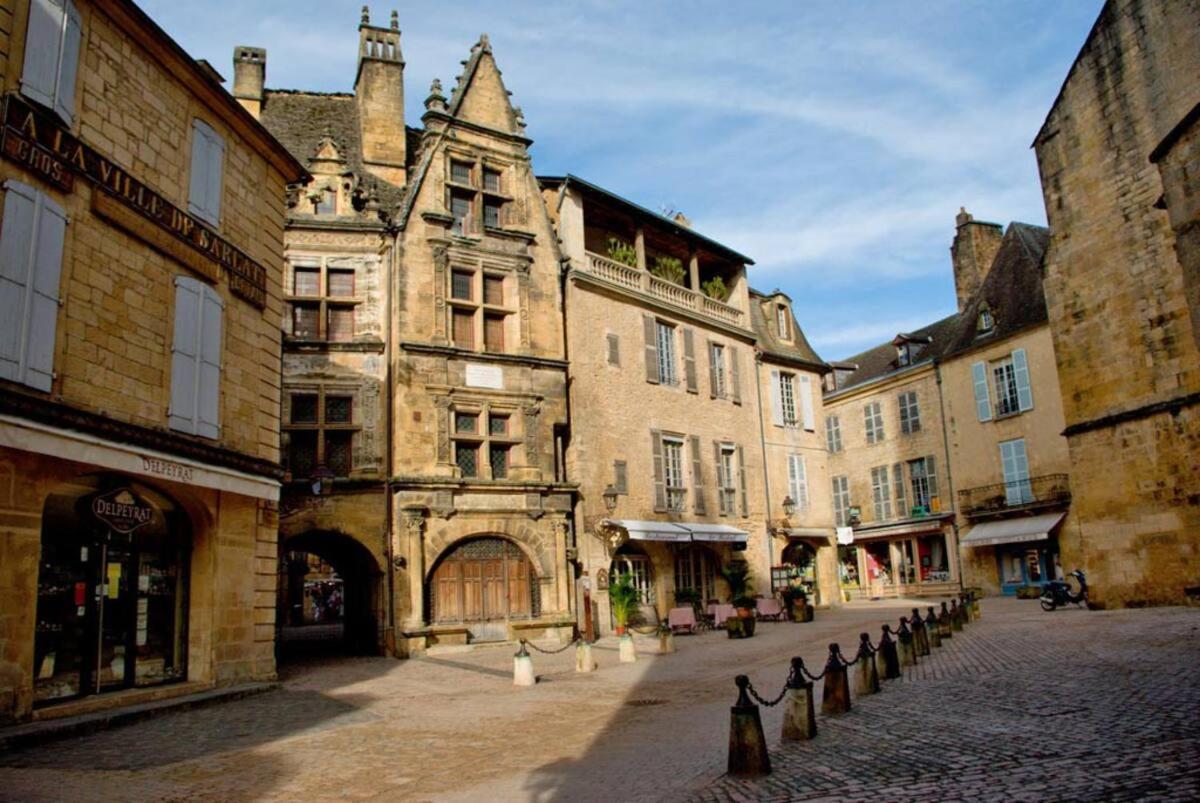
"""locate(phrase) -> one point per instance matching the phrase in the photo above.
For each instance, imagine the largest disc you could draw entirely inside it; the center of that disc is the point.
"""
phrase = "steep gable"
(480, 96)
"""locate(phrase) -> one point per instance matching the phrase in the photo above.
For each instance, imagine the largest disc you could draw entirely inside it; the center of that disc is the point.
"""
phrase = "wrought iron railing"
(1047, 490)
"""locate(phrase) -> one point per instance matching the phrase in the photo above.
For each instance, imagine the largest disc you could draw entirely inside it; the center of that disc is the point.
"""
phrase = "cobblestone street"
(1023, 705)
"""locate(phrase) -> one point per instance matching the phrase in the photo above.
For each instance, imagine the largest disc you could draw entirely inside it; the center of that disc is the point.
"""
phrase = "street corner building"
(424, 371)
(140, 266)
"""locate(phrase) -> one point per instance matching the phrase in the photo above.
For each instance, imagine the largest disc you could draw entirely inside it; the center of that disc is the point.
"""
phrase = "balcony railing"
(668, 292)
(1045, 491)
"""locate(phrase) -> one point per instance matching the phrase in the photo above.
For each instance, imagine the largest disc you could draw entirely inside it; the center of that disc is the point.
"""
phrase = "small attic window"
(985, 323)
(903, 354)
(781, 322)
(325, 202)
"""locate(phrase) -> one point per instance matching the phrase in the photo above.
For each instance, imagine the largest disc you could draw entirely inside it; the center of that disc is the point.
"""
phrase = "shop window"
(320, 431)
(695, 570)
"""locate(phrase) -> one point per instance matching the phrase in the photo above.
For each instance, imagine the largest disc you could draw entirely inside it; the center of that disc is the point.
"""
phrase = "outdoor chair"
(682, 620)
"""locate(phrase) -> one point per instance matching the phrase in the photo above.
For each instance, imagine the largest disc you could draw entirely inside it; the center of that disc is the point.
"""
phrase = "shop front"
(808, 562)
(909, 558)
(1021, 552)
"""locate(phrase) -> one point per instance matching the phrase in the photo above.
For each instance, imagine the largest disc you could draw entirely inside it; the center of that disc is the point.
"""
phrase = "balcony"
(1051, 490)
(669, 293)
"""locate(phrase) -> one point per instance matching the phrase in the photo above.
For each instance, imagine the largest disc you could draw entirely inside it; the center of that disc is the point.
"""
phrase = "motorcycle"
(1058, 592)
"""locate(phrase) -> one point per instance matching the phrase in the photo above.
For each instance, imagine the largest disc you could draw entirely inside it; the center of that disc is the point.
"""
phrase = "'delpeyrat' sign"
(122, 510)
(35, 140)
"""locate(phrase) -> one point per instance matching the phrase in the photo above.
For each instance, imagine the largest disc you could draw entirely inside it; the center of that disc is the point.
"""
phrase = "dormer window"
(903, 354)
(325, 202)
(985, 323)
(781, 322)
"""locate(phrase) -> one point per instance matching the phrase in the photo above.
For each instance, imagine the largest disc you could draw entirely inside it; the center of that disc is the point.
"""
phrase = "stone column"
(412, 522)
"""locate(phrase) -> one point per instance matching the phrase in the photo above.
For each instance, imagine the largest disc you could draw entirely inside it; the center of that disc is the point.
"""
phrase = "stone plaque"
(480, 375)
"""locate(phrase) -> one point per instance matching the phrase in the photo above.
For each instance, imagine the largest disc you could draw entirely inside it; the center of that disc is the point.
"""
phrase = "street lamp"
(610, 498)
(322, 481)
(789, 506)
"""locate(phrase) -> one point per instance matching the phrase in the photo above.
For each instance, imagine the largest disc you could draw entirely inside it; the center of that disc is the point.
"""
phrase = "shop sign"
(845, 536)
(36, 141)
(121, 510)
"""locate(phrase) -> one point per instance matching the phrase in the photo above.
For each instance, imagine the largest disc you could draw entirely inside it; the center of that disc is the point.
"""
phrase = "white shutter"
(68, 66)
(776, 401)
(43, 295)
(1021, 374)
(208, 418)
(983, 404)
(216, 164)
(204, 191)
(806, 403)
(802, 483)
(185, 354)
(43, 47)
(793, 478)
(16, 260)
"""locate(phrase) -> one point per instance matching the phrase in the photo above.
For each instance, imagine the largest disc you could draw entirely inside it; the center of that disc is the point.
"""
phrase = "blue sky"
(832, 142)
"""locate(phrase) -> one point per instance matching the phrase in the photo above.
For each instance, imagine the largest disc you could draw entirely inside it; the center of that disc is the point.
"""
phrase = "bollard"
(666, 639)
(523, 668)
(887, 653)
(835, 694)
(933, 629)
(964, 608)
(583, 657)
(976, 611)
(955, 616)
(627, 652)
(866, 678)
(920, 634)
(747, 745)
(944, 628)
(907, 650)
(799, 721)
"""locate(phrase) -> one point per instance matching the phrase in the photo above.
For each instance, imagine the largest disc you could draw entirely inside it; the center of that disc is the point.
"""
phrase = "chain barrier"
(772, 703)
(811, 676)
(563, 648)
(647, 632)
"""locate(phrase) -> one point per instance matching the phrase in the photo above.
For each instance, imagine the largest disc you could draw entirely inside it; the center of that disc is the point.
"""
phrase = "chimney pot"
(249, 76)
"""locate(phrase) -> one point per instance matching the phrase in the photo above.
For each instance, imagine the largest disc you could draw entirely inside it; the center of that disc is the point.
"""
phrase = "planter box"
(739, 627)
(1029, 592)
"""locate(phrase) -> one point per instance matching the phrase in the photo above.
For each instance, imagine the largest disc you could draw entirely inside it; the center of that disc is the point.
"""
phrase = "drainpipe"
(388, 429)
(937, 372)
(762, 438)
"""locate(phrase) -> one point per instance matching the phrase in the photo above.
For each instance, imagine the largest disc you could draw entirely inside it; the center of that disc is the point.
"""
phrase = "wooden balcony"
(1050, 490)
(669, 293)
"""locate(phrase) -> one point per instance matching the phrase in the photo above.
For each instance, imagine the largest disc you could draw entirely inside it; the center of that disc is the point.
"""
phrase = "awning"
(722, 533)
(824, 533)
(650, 530)
(1013, 531)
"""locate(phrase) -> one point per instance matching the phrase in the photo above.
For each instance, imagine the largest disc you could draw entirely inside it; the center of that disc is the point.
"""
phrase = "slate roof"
(798, 350)
(881, 360)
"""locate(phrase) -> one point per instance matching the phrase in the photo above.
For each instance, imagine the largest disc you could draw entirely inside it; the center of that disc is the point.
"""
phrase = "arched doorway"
(632, 560)
(483, 583)
(112, 589)
(328, 596)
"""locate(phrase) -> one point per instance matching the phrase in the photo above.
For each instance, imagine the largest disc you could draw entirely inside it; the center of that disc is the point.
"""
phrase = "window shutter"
(697, 475)
(898, 489)
(1008, 466)
(722, 480)
(43, 295)
(208, 153)
(689, 361)
(660, 484)
(903, 402)
(806, 403)
(801, 483)
(216, 164)
(712, 369)
(16, 262)
(649, 329)
(793, 490)
(64, 92)
(614, 350)
(208, 391)
(776, 399)
(983, 404)
(741, 470)
(185, 354)
(931, 474)
(620, 477)
(43, 47)
(1021, 373)
(735, 379)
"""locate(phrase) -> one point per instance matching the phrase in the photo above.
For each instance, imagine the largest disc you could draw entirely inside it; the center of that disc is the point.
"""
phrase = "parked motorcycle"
(1058, 592)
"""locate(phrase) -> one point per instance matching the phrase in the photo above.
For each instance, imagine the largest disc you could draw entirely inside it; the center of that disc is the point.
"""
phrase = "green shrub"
(668, 268)
(624, 598)
(715, 288)
(621, 251)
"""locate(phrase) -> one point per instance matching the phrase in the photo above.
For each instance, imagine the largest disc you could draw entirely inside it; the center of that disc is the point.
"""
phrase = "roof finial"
(520, 116)
(366, 16)
(484, 43)
(436, 102)
(395, 20)
(962, 217)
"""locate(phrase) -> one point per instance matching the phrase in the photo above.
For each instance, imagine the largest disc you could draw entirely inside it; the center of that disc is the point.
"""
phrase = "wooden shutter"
(43, 50)
(518, 587)
(650, 330)
(620, 477)
(185, 354)
(712, 369)
(931, 476)
(689, 361)
(208, 392)
(735, 379)
(806, 403)
(43, 293)
(697, 476)
(16, 261)
(983, 404)
(722, 480)
(614, 349)
(660, 484)
(68, 66)
(741, 470)
(898, 489)
(776, 399)
(208, 153)
(801, 482)
(1021, 373)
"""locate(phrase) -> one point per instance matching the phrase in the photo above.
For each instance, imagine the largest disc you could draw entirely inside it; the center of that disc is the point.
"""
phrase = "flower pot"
(745, 613)
(620, 630)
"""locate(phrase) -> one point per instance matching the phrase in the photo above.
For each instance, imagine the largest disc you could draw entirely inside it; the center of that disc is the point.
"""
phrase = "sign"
(167, 468)
(484, 376)
(121, 510)
(845, 535)
(37, 141)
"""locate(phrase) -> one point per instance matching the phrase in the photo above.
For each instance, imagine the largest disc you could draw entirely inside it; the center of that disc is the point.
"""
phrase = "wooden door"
(473, 596)
(518, 587)
(495, 603)
(447, 585)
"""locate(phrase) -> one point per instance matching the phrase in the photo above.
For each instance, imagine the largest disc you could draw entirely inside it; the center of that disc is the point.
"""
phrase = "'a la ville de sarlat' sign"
(36, 140)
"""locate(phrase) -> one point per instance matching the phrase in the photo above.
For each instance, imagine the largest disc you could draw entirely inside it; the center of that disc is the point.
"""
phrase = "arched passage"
(329, 596)
(483, 582)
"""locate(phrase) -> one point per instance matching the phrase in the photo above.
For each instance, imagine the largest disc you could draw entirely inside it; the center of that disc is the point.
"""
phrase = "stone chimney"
(975, 246)
(249, 75)
(379, 93)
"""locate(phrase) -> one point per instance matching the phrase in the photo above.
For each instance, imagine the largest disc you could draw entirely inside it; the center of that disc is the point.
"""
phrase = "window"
(782, 323)
(881, 491)
(833, 433)
(493, 290)
(910, 413)
(716, 370)
(324, 201)
(493, 332)
(461, 285)
(460, 172)
(491, 212)
(1004, 383)
(483, 441)
(985, 323)
(325, 316)
(903, 354)
(787, 398)
(498, 454)
(196, 359)
(614, 349)
(898, 489)
(460, 210)
(208, 156)
(31, 254)
(694, 571)
(1008, 379)
(1015, 464)
(52, 56)
(672, 450)
(873, 419)
(466, 457)
(320, 430)
(471, 322)
(620, 477)
(471, 205)
(491, 179)
(726, 485)
(923, 477)
(464, 329)
(667, 374)
(841, 501)
(798, 481)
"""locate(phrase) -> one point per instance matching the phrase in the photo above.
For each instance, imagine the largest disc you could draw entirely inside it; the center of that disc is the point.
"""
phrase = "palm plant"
(624, 597)
(738, 576)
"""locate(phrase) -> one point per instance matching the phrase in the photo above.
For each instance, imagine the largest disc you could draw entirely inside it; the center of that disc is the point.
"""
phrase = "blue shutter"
(185, 354)
(17, 243)
(1021, 372)
(983, 404)
(208, 418)
(68, 66)
(43, 295)
(204, 190)
(43, 47)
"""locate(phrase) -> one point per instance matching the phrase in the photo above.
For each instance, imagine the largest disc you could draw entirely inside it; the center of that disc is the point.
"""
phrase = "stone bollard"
(747, 745)
(906, 648)
(666, 639)
(626, 651)
(523, 668)
(964, 608)
(835, 694)
(888, 655)
(583, 657)
(866, 677)
(920, 634)
(799, 721)
(933, 629)
(955, 616)
(976, 611)
(945, 630)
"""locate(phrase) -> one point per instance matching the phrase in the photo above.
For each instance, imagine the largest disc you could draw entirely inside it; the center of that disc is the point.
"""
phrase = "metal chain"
(765, 703)
(811, 676)
(563, 648)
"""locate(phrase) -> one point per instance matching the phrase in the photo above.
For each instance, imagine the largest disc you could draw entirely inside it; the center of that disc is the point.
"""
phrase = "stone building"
(664, 406)
(141, 252)
(1121, 288)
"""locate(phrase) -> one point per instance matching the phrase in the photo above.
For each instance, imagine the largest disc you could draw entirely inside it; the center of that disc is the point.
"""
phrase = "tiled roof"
(798, 350)
(881, 360)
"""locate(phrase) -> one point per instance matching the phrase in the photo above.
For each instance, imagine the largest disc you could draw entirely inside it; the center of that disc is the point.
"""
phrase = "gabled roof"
(797, 350)
(880, 361)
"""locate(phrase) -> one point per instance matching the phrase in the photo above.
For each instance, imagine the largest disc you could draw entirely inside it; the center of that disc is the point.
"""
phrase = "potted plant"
(687, 596)
(669, 269)
(621, 251)
(794, 599)
(737, 575)
(624, 598)
(715, 288)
